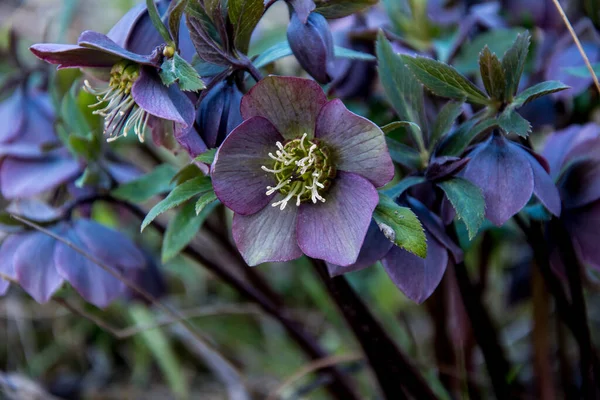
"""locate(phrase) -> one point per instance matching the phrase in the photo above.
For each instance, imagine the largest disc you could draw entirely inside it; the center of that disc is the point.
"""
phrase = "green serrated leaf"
(176, 69)
(182, 229)
(176, 8)
(395, 191)
(444, 121)
(333, 9)
(343, 52)
(513, 63)
(204, 201)
(158, 23)
(536, 91)
(401, 226)
(207, 157)
(244, 15)
(156, 182)
(178, 196)
(457, 141)
(467, 199)
(186, 173)
(392, 126)
(492, 74)
(498, 40)
(443, 80)
(403, 154)
(512, 122)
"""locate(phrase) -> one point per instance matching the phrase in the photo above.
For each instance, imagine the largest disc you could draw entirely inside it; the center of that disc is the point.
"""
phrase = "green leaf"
(72, 115)
(444, 121)
(186, 173)
(401, 226)
(467, 199)
(539, 90)
(343, 52)
(244, 15)
(392, 126)
(512, 122)
(182, 229)
(176, 8)
(156, 182)
(204, 201)
(83, 147)
(332, 9)
(158, 24)
(207, 157)
(583, 71)
(161, 349)
(395, 191)
(498, 40)
(443, 80)
(513, 64)
(492, 74)
(403, 154)
(457, 141)
(178, 196)
(176, 69)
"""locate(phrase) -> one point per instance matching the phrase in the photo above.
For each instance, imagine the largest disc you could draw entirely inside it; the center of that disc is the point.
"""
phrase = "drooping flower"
(300, 174)
(129, 59)
(508, 174)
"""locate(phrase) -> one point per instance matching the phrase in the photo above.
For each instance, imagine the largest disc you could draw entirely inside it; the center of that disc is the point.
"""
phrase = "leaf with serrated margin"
(176, 69)
(205, 45)
(333, 9)
(244, 15)
(513, 63)
(443, 80)
(539, 90)
(207, 157)
(457, 141)
(401, 226)
(468, 201)
(392, 126)
(205, 200)
(157, 22)
(153, 183)
(176, 9)
(492, 74)
(444, 121)
(403, 154)
(178, 196)
(395, 191)
(512, 122)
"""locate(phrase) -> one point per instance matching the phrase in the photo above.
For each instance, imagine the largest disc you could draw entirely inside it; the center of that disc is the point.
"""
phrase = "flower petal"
(374, 248)
(35, 269)
(73, 56)
(238, 179)
(334, 231)
(583, 224)
(417, 278)
(358, 144)
(13, 114)
(291, 104)
(268, 235)
(95, 40)
(9, 247)
(21, 178)
(504, 175)
(543, 185)
(4, 285)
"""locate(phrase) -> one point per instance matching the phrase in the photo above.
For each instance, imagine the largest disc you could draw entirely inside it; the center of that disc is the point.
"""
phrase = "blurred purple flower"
(40, 264)
(508, 174)
(130, 57)
(318, 165)
(416, 277)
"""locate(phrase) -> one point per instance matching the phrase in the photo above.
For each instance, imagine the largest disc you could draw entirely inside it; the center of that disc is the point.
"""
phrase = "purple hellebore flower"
(508, 174)
(300, 174)
(40, 264)
(416, 277)
(574, 158)
(131, 54)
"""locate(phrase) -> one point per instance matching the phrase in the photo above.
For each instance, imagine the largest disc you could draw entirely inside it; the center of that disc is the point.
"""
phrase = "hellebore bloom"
(300, 174)
(135, 97)
(416, 277)
(312, 44)
(41, 264)
(508, 174)
(574, 158)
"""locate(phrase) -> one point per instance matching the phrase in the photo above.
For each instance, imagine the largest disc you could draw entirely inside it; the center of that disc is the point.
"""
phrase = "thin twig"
(577, 43)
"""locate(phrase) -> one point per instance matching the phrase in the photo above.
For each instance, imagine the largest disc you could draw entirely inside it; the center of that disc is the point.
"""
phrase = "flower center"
(303, 170)
(115, 103)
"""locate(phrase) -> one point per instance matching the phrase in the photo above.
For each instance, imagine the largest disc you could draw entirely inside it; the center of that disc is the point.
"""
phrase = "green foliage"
(207, 157)
(444, 121)
(244, 15)
(401, 226)
(513, 64)
(158, 23)
(177, 8)
(467, 200)
(492, 74)
(396, 190)
(342, 8)
(158, 181)
(403, 154)
(458, 140)
(512, 122)
(498, 41)
(176, 69)
(539, 90)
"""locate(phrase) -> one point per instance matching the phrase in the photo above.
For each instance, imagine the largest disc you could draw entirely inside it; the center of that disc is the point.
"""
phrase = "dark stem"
(394, 372)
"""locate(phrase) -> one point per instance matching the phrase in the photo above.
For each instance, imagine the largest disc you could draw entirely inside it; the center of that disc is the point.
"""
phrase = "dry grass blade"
(577, 43)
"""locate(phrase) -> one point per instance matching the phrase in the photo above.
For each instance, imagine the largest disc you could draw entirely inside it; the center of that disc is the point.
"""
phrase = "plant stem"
(393, 370)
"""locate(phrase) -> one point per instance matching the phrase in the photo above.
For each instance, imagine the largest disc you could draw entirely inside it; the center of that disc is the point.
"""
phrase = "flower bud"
(312, 44)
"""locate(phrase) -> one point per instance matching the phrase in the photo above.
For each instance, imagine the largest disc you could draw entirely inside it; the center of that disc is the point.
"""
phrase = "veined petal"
(358, 144)
(334, 231)
(417, 278)
(543, 185)
(95, 40)
(238, 179)
(73, 56)
(268, 235)
(291, 104)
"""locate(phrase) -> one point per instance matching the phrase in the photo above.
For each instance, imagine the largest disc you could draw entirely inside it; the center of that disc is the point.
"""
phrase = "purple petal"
(109, 246)
(135, 31)
(12, 113)
(580, 184)
(504, 175)
(374, 248)
(291, 104)
(7, 253)
(358, 144)
(95, 40)
(334, 231)
(35, 269)
(558, 146)
(192, 142)
(122, 173)
(417, 278)
(238, 179)
(268, 235)
(303, 8)
(570, 57)
(34, 209)
(25, 178)
(167, 103)
(93, 283)
(543, 185)
(73, 56)
(4, 285)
